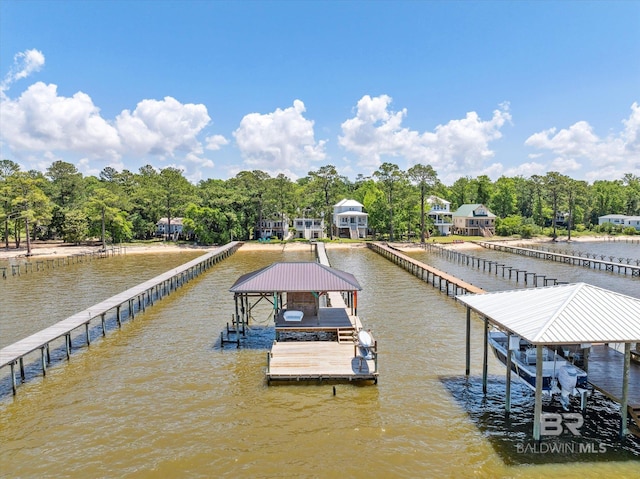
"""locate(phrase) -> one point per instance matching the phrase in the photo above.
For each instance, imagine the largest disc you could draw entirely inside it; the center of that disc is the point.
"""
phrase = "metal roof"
(564, 314)
(294, 277)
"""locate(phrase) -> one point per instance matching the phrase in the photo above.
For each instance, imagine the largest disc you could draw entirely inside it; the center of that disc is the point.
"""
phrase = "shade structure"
(295, 277)
(562, 314)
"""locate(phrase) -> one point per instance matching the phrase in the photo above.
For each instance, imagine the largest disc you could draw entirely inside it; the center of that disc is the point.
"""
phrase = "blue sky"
(495, 88)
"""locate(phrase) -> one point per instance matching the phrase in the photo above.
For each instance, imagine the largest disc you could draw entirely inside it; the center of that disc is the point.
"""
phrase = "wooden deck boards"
(317, 360)
(605, 374)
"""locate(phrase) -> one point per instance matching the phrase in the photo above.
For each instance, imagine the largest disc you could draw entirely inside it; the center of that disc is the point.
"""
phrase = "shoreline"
(44, 250)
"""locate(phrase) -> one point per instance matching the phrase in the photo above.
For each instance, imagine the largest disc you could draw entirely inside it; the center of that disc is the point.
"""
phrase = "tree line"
(119, 206)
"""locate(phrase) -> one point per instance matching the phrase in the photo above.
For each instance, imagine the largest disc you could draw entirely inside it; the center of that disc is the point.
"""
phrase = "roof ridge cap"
(578, 287)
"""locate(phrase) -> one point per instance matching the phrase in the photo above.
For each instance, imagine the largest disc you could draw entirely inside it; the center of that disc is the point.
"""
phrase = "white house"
(618, 220)
(349, 220)
(633, 221)
(623, 221)
(474, 220)
(164, 228)
(309, 228)
(440, 214)
(274, 227)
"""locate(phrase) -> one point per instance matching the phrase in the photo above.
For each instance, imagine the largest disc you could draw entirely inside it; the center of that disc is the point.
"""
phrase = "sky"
(216, 87)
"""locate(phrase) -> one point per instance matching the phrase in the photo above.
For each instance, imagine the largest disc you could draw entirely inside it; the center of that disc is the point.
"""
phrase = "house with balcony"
(440, 214)
(349, 219)
(309, 228)
(276, 226)
(474, 220)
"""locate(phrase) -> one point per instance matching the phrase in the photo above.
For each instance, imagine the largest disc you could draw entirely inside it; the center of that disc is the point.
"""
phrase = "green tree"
(555, 186)
(175, 192)
(391, 178)
(426, 178)
(31, 203)
(326, 185)
(8, 169)
(504, 200)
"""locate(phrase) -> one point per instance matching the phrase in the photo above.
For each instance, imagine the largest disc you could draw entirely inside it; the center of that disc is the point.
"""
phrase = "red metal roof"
(295, 277)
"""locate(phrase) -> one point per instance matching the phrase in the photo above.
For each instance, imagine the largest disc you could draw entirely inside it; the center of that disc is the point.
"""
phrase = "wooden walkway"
(600, 264)
(141, 296)
(445, 282)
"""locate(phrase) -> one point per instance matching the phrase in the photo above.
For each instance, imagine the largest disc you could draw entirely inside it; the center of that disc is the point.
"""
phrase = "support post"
(21, 369)
(468, 343)
(86, 330)
(485, 356)
(118, 316)
(537, 410)
(104, 327)
(625, 390)
(507, 402)
(67, 342)
(43, 361)
(13, 378)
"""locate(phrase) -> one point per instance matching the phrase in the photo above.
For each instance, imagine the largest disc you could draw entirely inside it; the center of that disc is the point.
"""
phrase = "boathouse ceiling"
(563, 314)
(295, 277)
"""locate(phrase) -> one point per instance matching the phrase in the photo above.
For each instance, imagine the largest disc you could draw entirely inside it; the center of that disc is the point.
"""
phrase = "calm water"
(160, 398)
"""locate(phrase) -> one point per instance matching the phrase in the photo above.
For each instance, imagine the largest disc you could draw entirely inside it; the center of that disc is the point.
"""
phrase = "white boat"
(559, 376)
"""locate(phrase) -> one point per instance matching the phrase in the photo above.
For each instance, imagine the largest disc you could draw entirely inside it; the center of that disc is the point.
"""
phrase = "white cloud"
(24, 64)
(40, 120)
(162, 127)
(215, 142)
(526, 170)
(577, 146)
(453, 149)
(282, 141)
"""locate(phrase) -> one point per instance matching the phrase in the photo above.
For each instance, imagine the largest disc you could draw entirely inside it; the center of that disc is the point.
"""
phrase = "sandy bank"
(40, 250)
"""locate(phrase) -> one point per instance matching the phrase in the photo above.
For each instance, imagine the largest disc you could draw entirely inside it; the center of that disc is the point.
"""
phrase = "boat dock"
(605, 369)
(445, 282)
(600, 264)
(316, 322)
(127, 302)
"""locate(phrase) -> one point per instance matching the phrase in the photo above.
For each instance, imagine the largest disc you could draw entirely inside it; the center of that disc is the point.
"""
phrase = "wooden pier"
(445, 282)
(530, 278)
(129, 301)
(587, 262)
(32, 264)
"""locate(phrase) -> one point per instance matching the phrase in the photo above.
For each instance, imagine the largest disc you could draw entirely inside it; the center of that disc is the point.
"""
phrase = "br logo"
(552, 424)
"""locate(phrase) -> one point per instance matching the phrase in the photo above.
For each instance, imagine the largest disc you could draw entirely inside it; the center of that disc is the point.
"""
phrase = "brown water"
(160, 398)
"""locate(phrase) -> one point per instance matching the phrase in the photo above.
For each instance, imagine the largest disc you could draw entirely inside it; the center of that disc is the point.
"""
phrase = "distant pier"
(445, 282)
(127, 302)
(600, 264)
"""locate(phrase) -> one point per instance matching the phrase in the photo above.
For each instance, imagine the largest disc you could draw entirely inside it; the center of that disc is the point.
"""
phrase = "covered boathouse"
(318, 332)
(569, 314)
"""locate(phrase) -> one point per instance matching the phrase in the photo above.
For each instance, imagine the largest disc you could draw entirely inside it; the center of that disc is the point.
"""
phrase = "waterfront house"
(309, 228)
(349, 219)
(276, 226)
(623, 221)
(440, 214)
(474, 220)
(164, 228)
